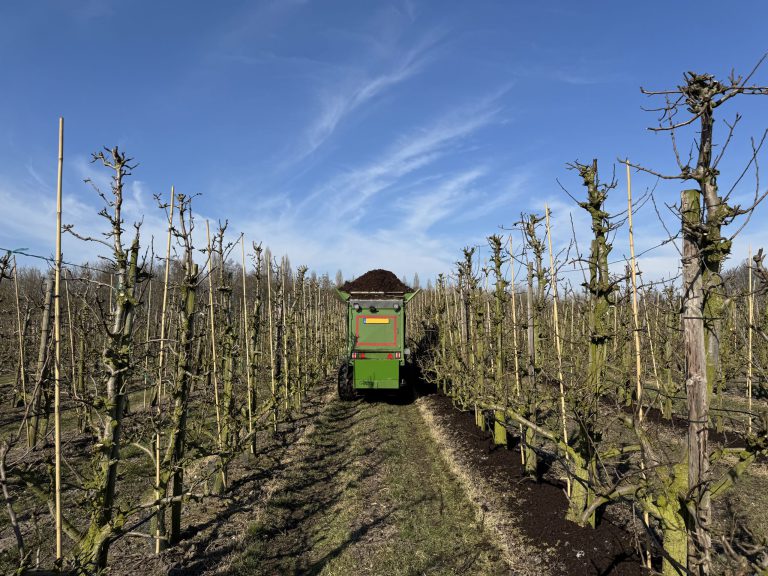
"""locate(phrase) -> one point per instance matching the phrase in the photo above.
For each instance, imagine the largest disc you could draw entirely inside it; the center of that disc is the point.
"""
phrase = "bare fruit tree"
(93, 549)
(705, 212)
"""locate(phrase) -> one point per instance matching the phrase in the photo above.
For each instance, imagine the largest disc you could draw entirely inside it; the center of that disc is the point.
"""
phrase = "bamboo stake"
(638, 363)
(213, 339)
(448, 314)
(573, 315)
(271, 343)
(553, 272)
(160, 365)
(514, 342)
(749, 344)
(57, 339)
(316, 340)
(247, 346)
(305, 333)
(296, 345)
(283, 323)
(633, 266)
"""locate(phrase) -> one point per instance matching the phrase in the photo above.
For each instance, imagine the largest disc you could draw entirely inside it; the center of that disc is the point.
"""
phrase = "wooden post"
(285, 373)
(57, 341)
(749, 343)
(271, 342)
(160, 364)
(514, 342)
(638, 364)
(247, 345)
(633, 274)
(558, 347)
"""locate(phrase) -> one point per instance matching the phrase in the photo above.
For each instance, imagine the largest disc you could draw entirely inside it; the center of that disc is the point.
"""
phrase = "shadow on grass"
(310, 494)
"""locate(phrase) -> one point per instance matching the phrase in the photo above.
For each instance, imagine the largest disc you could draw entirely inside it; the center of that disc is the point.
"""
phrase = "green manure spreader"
(376, 352)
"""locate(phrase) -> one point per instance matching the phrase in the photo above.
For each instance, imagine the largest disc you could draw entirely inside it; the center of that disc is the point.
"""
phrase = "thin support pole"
(515, 343)
(57, 339)
(633, 274)
(247, 345)
(636, 320)
(751, 293)
(160, 365)
(558, 346)
(271, 344)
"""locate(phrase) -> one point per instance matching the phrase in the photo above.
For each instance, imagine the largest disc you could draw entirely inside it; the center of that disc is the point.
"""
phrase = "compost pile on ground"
(376, 281)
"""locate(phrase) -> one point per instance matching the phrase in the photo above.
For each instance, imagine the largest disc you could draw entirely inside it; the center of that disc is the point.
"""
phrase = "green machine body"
(376, 355)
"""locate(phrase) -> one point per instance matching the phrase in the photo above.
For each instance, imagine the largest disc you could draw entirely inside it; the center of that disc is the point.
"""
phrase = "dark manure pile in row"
(376, 281)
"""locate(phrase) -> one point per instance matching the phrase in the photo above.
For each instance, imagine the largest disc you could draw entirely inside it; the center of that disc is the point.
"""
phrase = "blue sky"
(355, 135)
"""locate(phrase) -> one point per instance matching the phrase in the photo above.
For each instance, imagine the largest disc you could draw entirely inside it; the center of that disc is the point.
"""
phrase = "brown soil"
(376, 281)
(539, 508)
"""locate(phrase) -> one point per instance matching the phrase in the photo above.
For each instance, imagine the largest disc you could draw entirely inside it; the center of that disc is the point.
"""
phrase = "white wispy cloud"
(347, 194)
(330, 225)
(506, 194)
(422, 211)
(29, 215)
(347, 94)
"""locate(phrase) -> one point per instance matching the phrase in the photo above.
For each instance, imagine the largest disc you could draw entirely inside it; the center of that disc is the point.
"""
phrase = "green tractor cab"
(376, 352)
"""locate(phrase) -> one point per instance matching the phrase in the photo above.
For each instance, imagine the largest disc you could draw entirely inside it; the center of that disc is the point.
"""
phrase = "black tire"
(407, 391)
(346, 382)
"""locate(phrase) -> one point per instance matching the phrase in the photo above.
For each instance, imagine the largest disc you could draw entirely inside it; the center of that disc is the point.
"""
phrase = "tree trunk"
(184, 369)
(699, 543)
(41, 375)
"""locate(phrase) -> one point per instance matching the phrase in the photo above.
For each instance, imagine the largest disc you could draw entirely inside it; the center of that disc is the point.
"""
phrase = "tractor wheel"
(409, 386)
(346, 382)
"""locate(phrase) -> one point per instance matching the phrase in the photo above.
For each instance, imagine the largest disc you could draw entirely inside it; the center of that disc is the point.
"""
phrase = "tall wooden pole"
(271, 343)
(284, 335)
(247, 345)
(633, 274)
(57, 338)
(161, 357)
(558, 346)
(514, 341)
(635, 317)
(751, 297)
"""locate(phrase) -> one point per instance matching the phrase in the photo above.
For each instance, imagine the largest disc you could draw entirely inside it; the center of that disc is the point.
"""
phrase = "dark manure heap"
(375, 281)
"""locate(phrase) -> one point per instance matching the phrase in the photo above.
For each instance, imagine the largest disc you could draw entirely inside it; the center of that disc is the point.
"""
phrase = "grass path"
(367, 492)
